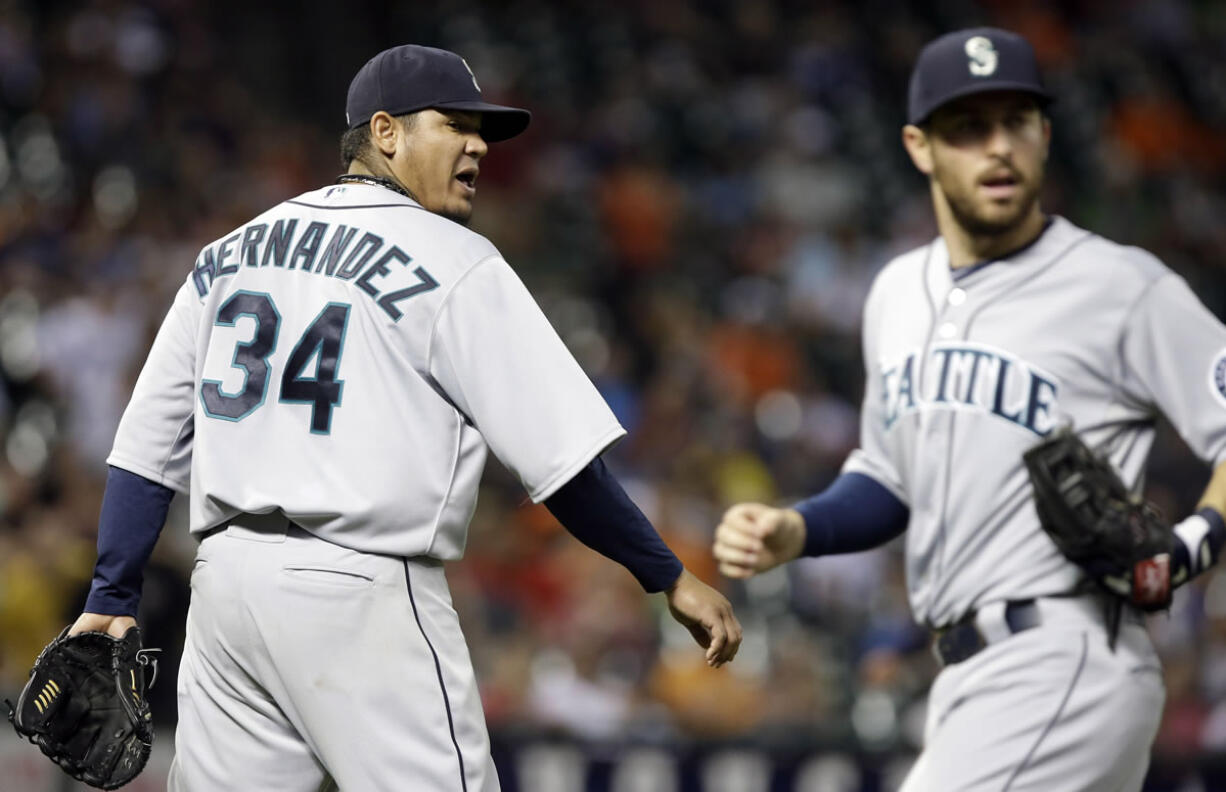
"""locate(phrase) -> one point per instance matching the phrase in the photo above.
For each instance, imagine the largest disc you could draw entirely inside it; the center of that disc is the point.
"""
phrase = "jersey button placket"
(938, 434)
(949, 327)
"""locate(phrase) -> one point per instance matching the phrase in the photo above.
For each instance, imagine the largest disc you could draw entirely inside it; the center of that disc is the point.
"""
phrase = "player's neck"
(363, 172)
(967, 248)
(359, 168)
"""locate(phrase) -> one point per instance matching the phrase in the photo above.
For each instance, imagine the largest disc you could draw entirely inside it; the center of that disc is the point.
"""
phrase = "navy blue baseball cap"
(968, 62)
(408, 78)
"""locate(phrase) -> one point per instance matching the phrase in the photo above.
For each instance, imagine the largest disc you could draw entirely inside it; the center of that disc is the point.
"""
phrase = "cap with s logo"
(968, 62)
(409, 78)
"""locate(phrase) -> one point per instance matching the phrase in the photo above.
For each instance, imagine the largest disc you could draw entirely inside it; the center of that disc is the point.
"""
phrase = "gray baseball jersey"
(342, 362)
(967, 370)
(346, 357)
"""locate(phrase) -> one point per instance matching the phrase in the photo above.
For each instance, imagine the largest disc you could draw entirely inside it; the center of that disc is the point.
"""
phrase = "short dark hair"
(355, 143)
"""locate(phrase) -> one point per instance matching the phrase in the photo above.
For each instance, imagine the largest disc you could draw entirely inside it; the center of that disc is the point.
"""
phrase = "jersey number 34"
(323, 340)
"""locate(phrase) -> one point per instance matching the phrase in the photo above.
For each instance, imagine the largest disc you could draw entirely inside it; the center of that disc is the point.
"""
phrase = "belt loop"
(990, 619)
(992, 622)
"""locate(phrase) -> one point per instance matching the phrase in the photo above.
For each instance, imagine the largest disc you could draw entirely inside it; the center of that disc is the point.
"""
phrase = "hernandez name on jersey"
(287, 246)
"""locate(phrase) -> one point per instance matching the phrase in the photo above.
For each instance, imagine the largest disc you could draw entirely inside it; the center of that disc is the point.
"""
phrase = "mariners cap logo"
(982, 56)
(470, 74)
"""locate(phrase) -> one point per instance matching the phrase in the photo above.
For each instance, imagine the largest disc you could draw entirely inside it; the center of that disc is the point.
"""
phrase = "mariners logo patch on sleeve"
(1217, 377)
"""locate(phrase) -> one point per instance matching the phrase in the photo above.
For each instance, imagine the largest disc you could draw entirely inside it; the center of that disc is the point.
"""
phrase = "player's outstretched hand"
(753, 538)
(114, 626)
(708, 616)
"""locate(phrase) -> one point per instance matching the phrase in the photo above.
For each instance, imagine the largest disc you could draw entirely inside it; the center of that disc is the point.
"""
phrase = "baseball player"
(977, 345)
(325, 387)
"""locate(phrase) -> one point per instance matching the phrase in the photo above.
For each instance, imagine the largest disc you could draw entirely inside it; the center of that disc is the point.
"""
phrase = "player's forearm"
(854, 513)
(1214, 496)
(133, 513)
(596, 510)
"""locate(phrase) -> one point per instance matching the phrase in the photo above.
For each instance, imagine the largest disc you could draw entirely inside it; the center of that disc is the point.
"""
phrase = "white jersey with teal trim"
(346, 357)
(966, 371)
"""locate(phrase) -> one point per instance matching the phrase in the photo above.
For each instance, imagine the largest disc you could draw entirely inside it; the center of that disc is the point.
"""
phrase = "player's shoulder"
(904, 272)
(1105, 258)
(910, 262)
(268, 216)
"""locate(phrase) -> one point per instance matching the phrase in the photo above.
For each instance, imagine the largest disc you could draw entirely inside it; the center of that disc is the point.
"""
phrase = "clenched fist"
(753, 538)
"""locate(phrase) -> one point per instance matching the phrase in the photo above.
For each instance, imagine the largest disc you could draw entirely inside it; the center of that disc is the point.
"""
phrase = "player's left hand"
(708, 616)
(85, 707)
(114, 626)
(1121, 540)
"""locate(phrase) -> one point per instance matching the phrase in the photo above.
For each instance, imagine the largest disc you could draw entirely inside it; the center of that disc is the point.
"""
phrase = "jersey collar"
(1018, 265)
(962, 272)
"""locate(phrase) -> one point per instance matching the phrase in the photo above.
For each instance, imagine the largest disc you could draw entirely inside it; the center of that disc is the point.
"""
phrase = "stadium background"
(700, 203)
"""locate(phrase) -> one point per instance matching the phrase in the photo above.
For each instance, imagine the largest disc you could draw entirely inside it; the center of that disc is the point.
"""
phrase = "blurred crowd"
(700, 204)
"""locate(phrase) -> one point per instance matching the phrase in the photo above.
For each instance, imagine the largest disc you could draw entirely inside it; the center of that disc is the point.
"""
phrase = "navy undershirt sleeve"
(133, 513)
(854, 513)
(598, 512)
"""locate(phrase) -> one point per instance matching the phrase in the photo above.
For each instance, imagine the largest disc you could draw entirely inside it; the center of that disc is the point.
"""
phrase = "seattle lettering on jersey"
(970, 376)
(346, 253)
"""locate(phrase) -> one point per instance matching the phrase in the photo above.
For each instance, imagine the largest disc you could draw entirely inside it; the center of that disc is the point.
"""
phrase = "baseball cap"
(408, 78)
(968, 62)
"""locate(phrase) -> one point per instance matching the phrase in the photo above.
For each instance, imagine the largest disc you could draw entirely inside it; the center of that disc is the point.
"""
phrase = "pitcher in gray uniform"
(977, 345)
(325, 386)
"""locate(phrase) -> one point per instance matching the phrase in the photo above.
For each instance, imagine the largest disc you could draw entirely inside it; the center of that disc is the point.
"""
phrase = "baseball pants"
(310, 667)
(1050, 709)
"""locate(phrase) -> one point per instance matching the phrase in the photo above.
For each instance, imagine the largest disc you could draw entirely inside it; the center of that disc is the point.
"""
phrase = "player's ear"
(915, 141)
(383, 133)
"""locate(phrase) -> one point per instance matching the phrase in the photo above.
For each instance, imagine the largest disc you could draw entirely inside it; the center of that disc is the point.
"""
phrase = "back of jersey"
(346, 350)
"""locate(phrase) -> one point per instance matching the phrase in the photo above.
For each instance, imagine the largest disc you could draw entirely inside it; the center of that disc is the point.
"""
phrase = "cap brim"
(498, 122)
(986, 87)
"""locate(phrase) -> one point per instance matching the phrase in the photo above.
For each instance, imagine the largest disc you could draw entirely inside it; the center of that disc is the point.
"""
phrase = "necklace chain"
(376, 181)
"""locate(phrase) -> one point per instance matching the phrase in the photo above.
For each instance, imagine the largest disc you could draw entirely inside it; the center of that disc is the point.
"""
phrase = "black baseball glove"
(1121, 541)
(85, 706)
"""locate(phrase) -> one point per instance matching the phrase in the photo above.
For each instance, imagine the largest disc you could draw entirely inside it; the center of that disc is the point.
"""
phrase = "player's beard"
(979, 219)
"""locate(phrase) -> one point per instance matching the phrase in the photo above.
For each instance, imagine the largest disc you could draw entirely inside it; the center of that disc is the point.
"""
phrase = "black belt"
(964, 639)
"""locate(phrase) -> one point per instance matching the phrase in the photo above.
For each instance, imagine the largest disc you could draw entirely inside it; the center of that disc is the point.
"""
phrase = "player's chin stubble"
(456, 208)
(460, 214)
(458, 217)
(980, 218)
